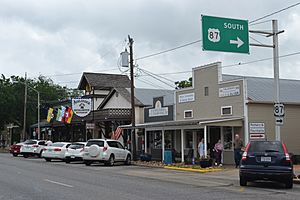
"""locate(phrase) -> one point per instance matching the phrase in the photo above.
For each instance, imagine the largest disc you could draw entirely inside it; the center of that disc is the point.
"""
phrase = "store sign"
(158, 110)
(229, 91)
(258, 128)
(90, 126)
(81, 107)
(183, 98)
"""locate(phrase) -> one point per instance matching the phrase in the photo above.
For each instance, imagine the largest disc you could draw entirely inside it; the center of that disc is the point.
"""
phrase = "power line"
(260, 22)
(145, 71)
(273, 13)
(153, 76)
(165, 51)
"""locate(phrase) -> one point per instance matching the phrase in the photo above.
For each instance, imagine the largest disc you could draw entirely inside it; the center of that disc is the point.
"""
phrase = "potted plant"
(205, 162)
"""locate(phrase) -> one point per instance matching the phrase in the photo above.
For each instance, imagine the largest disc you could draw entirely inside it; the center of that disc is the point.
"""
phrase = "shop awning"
(196, 123)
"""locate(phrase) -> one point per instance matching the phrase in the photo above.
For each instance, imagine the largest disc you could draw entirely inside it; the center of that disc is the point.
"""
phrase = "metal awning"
(229, 121)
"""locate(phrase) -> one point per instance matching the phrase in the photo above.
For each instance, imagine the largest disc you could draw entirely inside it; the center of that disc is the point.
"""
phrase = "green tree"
(12, 98)
(184, 83)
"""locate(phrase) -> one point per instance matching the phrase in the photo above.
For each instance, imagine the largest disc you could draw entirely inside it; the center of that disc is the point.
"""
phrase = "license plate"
(265, 159)
(72, 157)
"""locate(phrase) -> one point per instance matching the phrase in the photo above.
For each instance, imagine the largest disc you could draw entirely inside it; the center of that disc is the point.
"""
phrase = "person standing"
(218, 149)
(201, 149)
(238, 144)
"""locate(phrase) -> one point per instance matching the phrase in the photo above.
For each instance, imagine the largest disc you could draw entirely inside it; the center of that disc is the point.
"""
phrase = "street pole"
(25, 105)
(132, 99)
(276, 71)
(39, 130)
(275, 32)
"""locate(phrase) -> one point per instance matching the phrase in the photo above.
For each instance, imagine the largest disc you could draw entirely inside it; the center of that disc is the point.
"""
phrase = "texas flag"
(68, 115)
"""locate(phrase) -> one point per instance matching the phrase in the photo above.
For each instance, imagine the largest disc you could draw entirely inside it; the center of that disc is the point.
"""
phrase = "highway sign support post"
(225, 34)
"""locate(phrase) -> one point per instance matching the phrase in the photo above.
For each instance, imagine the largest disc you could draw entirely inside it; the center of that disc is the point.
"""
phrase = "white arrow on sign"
(238, 41)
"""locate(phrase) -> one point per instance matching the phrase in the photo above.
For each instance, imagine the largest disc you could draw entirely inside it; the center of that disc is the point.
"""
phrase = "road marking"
(58, 183)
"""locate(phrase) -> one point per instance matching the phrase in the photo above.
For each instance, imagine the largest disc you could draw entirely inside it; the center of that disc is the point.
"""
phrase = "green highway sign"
(225, 34)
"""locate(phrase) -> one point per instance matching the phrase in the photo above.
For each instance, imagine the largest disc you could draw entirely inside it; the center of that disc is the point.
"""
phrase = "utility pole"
(275, 32)
(25, 105)
(133, 139)
(276, 71)
(39, 129)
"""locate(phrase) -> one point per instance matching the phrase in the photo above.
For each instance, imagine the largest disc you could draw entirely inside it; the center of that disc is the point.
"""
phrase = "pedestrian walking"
(201, 149)
(218, 149)
(238, 145)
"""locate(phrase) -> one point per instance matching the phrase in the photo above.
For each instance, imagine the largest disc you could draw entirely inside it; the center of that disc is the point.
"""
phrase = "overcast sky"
(67, 37)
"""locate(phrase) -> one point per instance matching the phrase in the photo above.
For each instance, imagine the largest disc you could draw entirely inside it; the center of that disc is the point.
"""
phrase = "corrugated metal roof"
(146, 95)
(261, 89)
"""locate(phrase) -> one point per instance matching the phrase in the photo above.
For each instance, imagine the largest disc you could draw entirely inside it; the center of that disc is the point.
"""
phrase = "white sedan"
(75, 152)
(56, 150)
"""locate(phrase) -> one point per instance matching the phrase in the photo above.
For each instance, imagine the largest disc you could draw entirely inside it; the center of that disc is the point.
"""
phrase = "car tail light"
(105, 148)
(244, 156)
(57, 149)
(44, 149)
(35, 146)
(287, 155)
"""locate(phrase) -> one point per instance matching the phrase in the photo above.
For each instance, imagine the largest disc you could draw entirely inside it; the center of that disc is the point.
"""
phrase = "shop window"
(205, 91)
(226, 110)
(157, 140)
(228, 138)
(189, 140)
(188, 114)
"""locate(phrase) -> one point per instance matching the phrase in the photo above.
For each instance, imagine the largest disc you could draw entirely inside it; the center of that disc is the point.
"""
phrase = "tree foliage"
(184, 83)
(12, 91)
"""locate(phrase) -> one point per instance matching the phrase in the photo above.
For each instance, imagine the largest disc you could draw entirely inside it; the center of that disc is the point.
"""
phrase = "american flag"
(117, 133)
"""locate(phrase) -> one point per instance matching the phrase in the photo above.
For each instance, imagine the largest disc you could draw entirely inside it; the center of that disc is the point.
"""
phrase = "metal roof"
(146, 95)
(260, 89)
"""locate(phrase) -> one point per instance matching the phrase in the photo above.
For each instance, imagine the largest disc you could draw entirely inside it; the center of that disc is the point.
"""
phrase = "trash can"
(168, 157)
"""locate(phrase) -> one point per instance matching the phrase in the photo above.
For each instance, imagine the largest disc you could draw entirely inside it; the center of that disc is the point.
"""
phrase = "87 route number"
(278, 110)
(213, 35)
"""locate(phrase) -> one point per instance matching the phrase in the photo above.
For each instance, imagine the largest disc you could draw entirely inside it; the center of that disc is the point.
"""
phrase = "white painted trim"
(182, 145)
(205, 141)
(230, 81)
(185, 111)
(246, 115)
(163, 144)
(175, 105)
(222, 107)
(145, 140)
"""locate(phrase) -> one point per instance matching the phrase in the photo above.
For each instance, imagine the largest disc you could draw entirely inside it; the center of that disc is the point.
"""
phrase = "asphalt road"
(35, 179)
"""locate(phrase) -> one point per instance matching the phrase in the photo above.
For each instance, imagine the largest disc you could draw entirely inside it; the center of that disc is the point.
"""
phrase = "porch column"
(205, 141)
(182, 145)
(163, 144)
(145, 141)
(195, 144)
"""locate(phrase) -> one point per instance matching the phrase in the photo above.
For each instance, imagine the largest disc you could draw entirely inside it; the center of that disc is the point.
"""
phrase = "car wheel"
(87, 163)
(25, 156)
(67, 160)
(128, 160)
(40, 155)
(243, 181)
(48, 159)
(111, 160)
(289, 184)
(15, 154)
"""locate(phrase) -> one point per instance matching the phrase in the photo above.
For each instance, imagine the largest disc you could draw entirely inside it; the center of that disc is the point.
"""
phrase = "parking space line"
(58, 183)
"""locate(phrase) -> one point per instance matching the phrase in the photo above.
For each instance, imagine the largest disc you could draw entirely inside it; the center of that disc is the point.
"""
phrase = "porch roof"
(229, 121)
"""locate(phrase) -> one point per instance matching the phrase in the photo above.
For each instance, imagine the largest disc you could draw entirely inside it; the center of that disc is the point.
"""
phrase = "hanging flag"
(63, 110)
(58, 116)
(68, 115)
(49, 116)
(117, 133)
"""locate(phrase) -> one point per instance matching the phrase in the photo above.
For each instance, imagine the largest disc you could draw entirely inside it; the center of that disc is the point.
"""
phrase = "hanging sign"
(81, 107)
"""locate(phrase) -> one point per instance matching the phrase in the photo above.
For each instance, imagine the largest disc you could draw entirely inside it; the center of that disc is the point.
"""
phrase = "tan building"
(218, 106)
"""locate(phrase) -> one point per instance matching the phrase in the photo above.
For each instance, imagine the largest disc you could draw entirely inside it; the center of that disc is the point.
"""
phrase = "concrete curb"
(193, 170)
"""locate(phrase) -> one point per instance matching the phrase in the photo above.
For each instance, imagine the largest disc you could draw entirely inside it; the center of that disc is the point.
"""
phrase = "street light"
(38, 107)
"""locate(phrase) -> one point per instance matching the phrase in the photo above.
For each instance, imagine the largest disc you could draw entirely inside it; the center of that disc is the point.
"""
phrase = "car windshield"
(96, 142)
(57, 144)
(30, 142)
(264, 146)
(76, 146)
